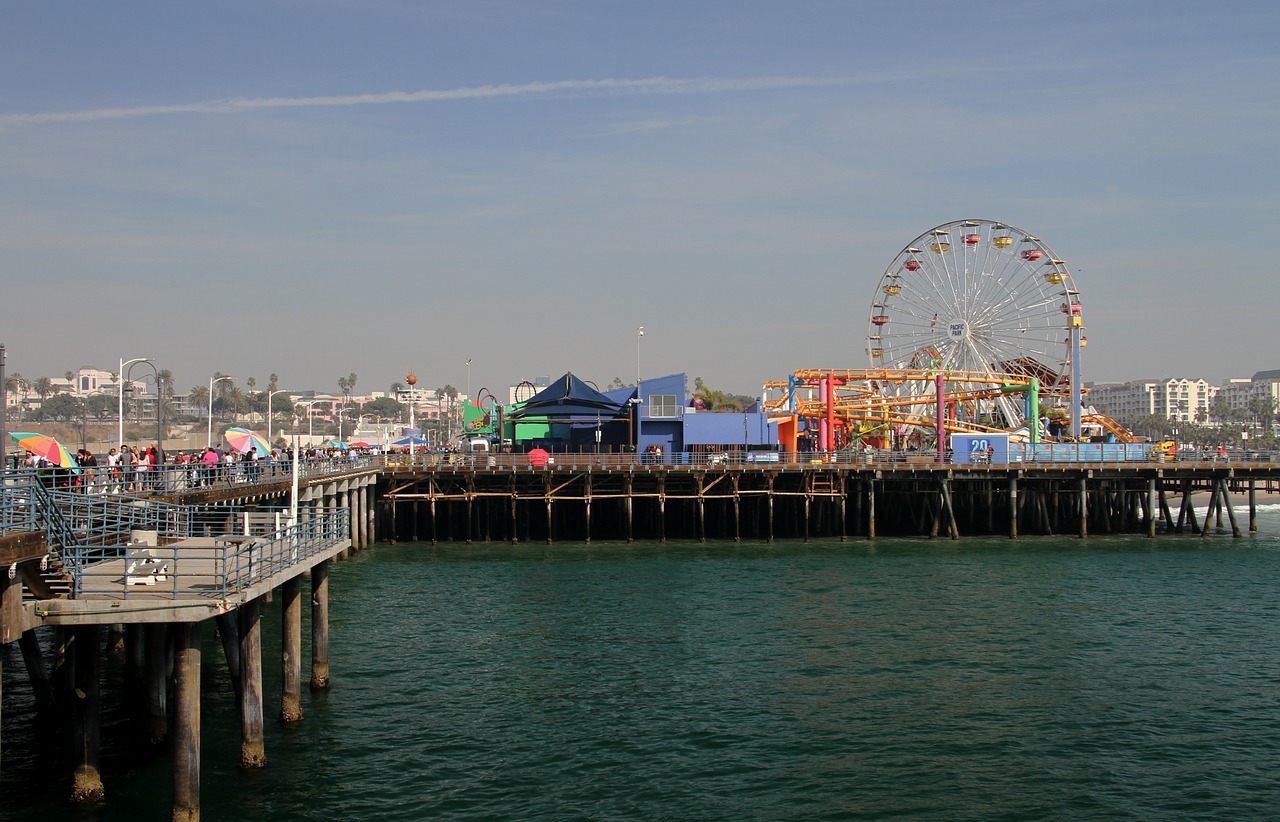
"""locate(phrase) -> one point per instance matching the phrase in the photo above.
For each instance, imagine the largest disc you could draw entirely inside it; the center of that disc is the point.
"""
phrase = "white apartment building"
(1176, 398)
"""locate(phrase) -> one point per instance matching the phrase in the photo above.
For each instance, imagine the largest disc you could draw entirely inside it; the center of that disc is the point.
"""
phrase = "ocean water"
(1108, 678)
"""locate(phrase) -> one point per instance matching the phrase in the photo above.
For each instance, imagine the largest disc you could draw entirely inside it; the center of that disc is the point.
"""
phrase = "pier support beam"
(871, 509)
(320, 626)
(252, 745)
(1253, 505)
(186, 726)
(37, 672)
(1149, 509)
(1084, 508)
(291, 650)
(1013, 507)
(156, 675)
(86, 781)
(229, 635)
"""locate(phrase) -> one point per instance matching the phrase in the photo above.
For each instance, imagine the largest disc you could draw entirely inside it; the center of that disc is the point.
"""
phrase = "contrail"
(650, 85)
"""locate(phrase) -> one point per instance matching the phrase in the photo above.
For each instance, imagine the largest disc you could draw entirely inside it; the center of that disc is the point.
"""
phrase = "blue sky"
(318, 188)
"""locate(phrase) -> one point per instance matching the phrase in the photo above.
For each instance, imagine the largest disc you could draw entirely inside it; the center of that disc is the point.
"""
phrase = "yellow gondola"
(938, 248)
(1003, 241)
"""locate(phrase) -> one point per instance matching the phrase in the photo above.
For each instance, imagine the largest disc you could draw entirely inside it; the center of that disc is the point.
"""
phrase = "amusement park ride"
(975, 327)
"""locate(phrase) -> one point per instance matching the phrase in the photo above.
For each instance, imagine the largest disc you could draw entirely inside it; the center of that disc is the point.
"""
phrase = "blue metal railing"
(227, 561)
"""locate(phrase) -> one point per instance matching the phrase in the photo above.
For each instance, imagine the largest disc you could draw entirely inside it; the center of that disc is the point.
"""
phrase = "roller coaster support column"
(1076, 327)
(940, 390)
(824, 428)
(831, 412)
(1033, 406)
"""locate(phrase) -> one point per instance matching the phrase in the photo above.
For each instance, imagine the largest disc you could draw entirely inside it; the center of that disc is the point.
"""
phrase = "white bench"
(144, 567)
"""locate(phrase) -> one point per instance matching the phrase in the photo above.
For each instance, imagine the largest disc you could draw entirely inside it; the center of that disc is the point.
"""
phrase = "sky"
(327, 187)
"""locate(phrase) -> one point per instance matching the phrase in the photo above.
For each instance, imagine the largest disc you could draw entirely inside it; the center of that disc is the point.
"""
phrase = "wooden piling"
(291, 650)
(252, 743)
(37, 672)
(186, 726)
(1013, 507)
(320, 626)
(86, 781)
(229, 636)
(156, 675)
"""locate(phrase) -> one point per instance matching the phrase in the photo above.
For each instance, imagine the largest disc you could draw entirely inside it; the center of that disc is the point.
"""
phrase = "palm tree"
(273, 382)
(43, 387)
(395, 388)
(198, 397)
(18, 384)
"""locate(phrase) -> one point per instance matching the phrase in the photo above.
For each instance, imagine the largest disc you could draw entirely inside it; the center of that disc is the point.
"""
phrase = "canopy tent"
(568, 397)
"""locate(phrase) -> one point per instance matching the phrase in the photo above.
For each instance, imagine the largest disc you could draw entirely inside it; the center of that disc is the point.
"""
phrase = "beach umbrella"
(360, 444)
(413, 442)
(538, 457)
(242, 439)
(45, 446)
(336, 444)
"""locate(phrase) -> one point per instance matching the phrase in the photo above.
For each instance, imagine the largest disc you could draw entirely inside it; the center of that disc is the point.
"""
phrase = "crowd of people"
(135, 469)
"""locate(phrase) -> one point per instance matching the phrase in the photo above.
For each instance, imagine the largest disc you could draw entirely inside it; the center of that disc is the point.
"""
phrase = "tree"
(251, 382)
(273, 382)
(714, 400)
(198, 397)
(100, 406)
(395, 388)
(43, 387)
(15, 383)
(61, 407)
(1220, 410)
(384, 409)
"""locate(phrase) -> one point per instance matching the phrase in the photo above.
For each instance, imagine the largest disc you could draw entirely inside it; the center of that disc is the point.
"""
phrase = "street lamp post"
(159, 408)
(269, 396)
(468, 379)
(208, 439)
(120, 396)
(639, 334)
(308, 404)
(84, 418)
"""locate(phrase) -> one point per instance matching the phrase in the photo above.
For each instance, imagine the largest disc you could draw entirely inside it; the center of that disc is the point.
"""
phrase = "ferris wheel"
(976, 296)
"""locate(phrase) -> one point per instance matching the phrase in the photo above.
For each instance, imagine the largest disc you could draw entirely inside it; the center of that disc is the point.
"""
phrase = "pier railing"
(176, 478)
(213, 559)
(1074, 454)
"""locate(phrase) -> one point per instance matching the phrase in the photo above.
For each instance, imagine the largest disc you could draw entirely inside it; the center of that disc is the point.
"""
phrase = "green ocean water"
(1108, 678)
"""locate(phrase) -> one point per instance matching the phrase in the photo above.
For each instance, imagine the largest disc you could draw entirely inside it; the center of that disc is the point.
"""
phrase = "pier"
(158, 568)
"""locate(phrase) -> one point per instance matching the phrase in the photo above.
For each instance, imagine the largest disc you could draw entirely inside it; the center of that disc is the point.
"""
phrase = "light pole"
(159, 408)
(412, 379)
(468, 379)
(639, 334)
(269, 396)
(84, 418)
(308, 404)
(120, 395)
(208, 439)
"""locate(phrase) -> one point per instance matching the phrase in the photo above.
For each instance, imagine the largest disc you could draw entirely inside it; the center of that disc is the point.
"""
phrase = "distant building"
(1175, 398)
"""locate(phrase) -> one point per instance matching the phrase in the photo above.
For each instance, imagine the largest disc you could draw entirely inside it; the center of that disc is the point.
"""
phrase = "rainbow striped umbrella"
(242, 439)
(45, 446)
